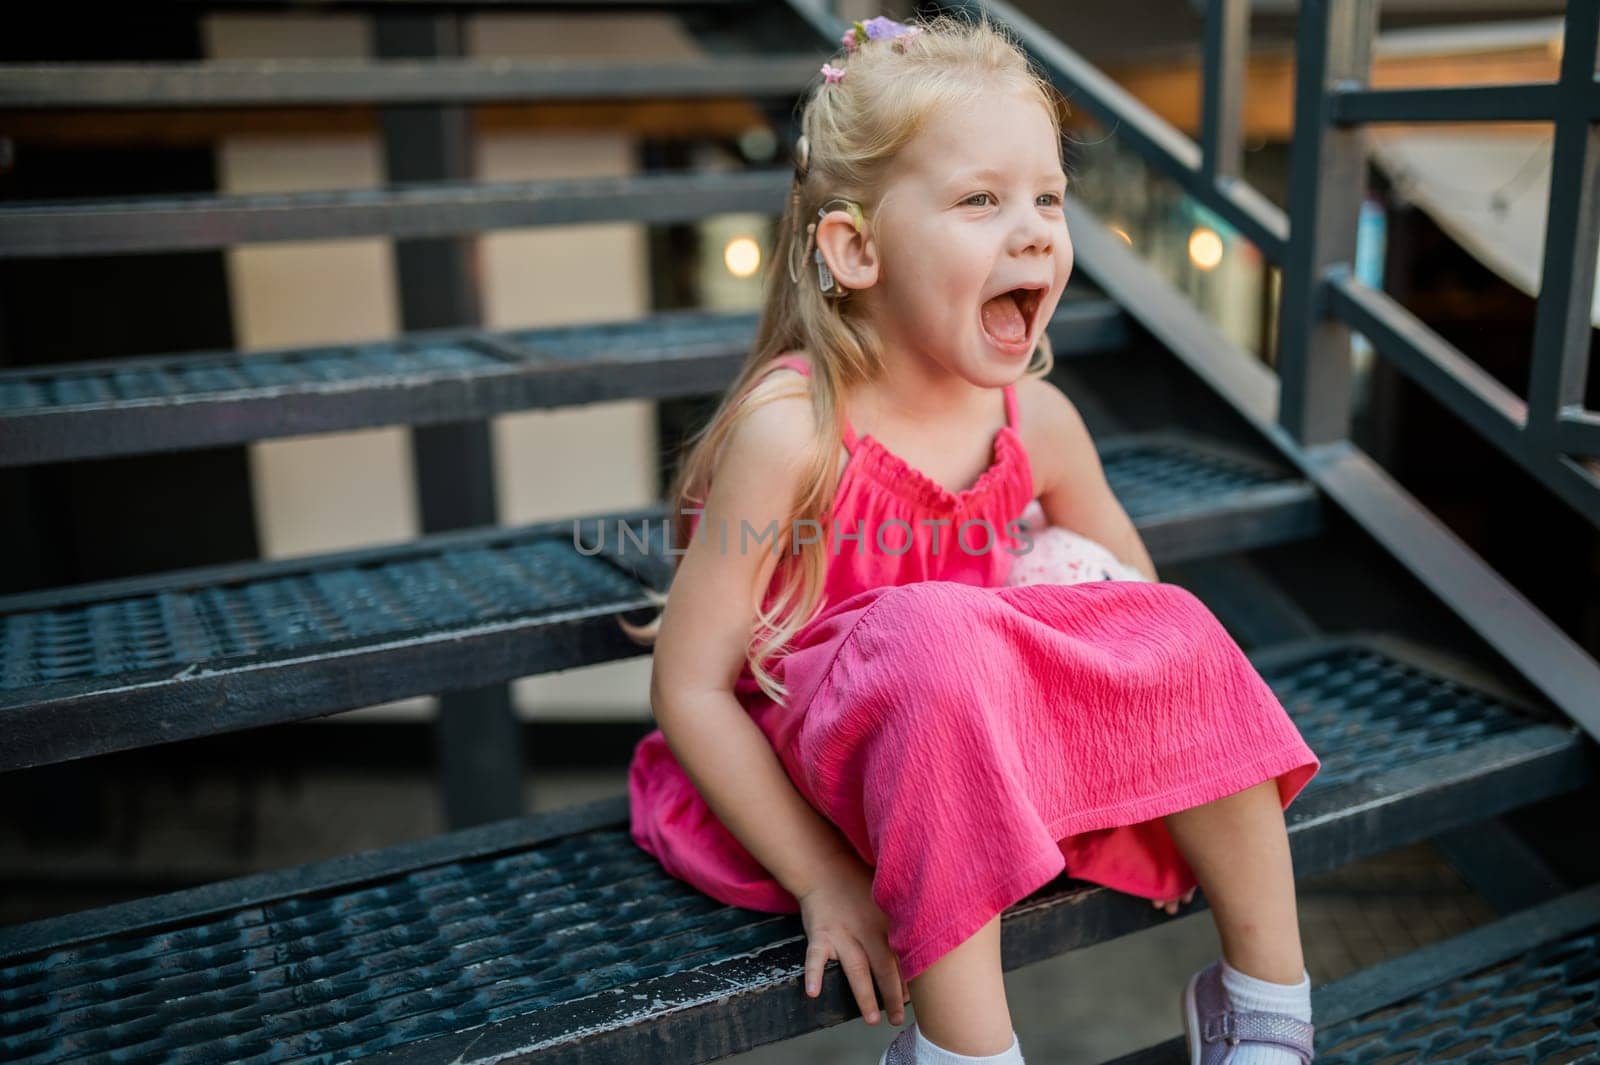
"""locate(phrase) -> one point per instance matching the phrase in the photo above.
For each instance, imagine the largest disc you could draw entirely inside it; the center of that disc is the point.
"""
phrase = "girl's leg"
(1238, 848)
(961, 998)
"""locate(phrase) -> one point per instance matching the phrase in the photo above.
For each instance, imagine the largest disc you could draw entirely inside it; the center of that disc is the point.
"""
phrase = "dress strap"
(793, 362)
(849, 435)
(1011, 405)
(796, 362)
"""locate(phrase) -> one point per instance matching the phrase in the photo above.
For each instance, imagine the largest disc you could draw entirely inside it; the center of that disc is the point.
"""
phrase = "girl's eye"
(1053, 198)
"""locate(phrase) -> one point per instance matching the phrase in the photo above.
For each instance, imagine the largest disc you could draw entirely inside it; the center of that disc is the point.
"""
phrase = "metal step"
(122, 664)
(557, 937)
(402, 211)
(1525, 988)
(325, 82)
(172, 402)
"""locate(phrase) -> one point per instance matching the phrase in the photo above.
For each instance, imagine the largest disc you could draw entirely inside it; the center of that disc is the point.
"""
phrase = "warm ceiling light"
(1205, 248)
(742, 257)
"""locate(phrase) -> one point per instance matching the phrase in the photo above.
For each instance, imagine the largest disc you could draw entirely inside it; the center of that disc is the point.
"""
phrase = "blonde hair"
(854, 128)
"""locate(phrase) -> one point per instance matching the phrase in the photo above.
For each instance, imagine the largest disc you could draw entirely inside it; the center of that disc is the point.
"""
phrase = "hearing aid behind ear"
(850, 207)
(857, 219)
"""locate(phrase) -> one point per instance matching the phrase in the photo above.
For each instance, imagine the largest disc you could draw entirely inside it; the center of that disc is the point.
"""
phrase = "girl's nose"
(1032, 233)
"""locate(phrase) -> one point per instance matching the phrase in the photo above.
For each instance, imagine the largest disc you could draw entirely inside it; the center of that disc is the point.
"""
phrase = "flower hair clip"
(881, 28)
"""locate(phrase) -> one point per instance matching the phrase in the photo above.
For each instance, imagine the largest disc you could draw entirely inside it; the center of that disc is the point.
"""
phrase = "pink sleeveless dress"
(974, 740)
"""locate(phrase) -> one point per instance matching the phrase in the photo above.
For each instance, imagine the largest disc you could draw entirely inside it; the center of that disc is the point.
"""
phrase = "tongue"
(1003, 319)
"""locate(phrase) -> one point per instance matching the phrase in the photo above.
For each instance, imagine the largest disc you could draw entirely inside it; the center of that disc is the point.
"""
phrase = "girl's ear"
(851, 257)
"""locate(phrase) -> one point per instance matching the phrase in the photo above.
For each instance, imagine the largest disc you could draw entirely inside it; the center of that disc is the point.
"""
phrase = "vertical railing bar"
(476, 732)
(1227, 42)
(1327, 179)
(1571, 239)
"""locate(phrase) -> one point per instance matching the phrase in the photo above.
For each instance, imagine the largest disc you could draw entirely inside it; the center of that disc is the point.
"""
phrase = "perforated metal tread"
(1541, 1007)
(557, 935)
(130, 663)
(1522, 989)
(1194, 498)
(172, 402)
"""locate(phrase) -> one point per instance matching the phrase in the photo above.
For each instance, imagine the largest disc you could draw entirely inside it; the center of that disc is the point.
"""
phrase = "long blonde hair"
(855, 127)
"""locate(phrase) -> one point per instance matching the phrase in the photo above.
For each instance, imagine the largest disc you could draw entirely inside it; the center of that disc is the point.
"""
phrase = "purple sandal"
(1213, 1027)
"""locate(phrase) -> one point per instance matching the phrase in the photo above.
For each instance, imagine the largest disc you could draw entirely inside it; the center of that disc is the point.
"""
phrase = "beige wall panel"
(236, 35)
(335, 490)
(579, 36)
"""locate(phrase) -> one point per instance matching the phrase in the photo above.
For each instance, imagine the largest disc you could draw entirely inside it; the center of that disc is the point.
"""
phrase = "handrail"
(1464, 388)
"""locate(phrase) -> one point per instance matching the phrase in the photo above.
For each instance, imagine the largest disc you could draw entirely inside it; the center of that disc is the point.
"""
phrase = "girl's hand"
(842, 921)
(1171, 905)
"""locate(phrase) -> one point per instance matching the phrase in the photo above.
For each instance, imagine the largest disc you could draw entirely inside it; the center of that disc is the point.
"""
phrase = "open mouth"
(1027, 301)
(1009, 317)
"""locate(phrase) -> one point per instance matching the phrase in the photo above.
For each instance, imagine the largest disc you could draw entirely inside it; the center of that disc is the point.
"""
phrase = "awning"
(1487, 189)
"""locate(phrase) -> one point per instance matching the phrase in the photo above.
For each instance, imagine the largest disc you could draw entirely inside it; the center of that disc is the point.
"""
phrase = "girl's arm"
(705, 627)
(1071, 484)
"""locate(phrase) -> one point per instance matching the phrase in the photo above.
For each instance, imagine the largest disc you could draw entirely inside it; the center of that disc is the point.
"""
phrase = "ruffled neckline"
(900, 477)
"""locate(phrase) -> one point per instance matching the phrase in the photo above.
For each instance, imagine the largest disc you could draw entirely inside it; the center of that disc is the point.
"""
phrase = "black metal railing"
(1333, 60)
(1542, 432)
(1322, 299)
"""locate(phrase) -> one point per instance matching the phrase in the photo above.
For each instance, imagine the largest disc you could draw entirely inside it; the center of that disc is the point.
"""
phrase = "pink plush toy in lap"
(1061, 556)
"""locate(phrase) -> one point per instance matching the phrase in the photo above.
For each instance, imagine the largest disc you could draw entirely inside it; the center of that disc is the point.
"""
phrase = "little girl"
(872, 710)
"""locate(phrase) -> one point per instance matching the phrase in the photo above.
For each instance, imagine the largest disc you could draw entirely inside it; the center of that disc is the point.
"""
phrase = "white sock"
(929, 1053)
(1252, 993)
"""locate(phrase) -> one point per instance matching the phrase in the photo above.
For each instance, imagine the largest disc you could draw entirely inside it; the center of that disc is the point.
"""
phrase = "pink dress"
(974, 740)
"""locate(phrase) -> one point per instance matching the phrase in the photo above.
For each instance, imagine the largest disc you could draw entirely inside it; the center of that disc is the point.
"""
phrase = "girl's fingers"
(817, 955)
(1171, 905)
(886, 967)
(853, 960)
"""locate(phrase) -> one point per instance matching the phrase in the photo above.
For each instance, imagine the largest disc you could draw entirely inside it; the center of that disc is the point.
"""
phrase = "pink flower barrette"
(881, 28)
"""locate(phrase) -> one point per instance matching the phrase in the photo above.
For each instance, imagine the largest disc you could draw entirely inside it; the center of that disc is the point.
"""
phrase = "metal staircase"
(554, 938)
